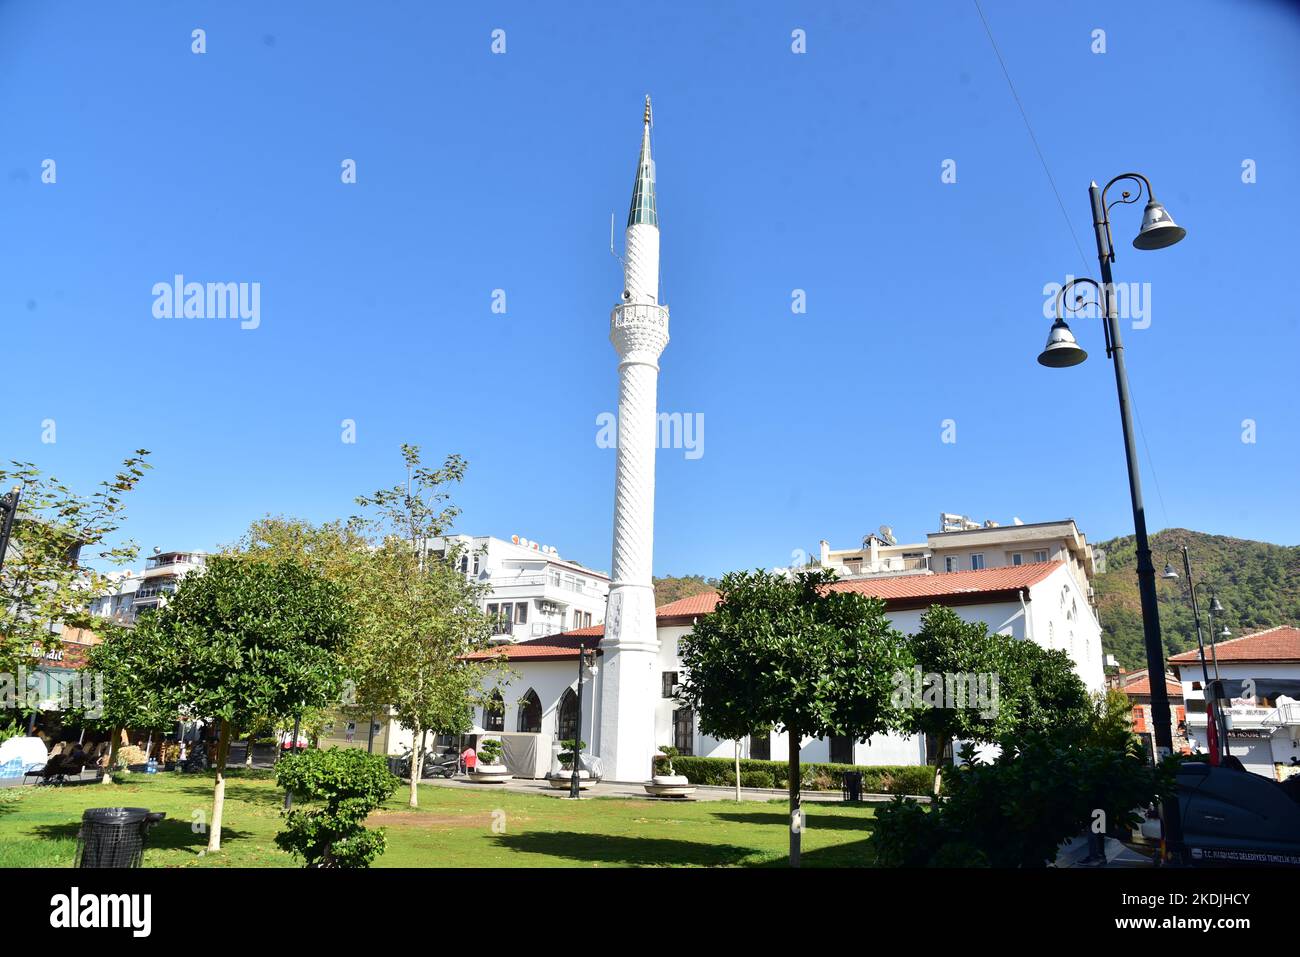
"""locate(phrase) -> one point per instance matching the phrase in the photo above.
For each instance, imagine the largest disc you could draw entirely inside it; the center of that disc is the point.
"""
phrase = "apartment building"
(962, 544)
(134, 592)
(534, 591)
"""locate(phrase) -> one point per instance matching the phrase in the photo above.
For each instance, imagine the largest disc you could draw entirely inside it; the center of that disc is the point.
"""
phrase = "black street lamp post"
(1214, 689)
(1158, 230)
(575, 790)
(1211, 712)
(8, 509)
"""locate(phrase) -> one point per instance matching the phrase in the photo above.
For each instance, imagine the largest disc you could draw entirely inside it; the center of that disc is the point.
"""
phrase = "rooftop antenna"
(612, 251)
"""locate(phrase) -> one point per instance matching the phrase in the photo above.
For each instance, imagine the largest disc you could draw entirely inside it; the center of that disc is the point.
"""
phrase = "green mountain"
(1257, 582)
(670, 588)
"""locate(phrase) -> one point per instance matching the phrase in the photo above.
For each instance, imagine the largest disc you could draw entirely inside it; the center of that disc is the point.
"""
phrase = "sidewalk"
(627, 789)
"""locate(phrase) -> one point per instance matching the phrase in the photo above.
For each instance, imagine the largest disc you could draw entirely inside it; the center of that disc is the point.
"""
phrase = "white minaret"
(638, 330)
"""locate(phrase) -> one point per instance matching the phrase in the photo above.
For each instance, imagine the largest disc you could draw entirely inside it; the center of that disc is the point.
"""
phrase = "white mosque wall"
(1055, 615)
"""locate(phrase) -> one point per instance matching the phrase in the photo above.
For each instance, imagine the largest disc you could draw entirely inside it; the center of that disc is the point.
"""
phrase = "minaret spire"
(638, 330)
(643, 190)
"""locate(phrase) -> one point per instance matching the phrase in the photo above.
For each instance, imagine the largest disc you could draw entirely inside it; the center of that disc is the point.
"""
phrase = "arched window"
(530, 713)
(567, 719)
(494, 713)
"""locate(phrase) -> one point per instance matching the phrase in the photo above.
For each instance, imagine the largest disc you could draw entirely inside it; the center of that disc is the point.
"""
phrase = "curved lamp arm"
(1080, 302)
(1125, 198)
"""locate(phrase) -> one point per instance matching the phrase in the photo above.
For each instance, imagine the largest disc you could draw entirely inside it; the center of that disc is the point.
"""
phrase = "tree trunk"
(370, 736)
(417, 763)
(112, 756)
(944, 749)
(738, 770)
(219, 792)
(796, 813)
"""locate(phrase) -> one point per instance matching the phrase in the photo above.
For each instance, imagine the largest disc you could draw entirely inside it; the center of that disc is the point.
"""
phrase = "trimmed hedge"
(886, 779)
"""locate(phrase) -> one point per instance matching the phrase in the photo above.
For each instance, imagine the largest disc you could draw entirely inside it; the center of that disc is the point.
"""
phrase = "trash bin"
(114, 836)
(851, 786)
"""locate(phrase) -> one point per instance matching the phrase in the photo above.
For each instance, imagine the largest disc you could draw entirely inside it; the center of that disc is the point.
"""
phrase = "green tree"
(137, 688)
(243, 640)
(949, 645)
(58, 538)
(342, 553)
(1043, 690)
(420, 616)
(349, 784)
(791, 653)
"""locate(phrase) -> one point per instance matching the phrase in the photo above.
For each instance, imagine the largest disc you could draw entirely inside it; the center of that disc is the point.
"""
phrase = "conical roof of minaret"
(643, 192)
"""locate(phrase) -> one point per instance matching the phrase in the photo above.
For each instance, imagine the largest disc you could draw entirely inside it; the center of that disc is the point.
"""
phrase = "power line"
(1069, 225)
(1033, 139)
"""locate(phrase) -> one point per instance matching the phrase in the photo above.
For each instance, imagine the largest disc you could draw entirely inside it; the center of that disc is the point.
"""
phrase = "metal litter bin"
(851, 786)
(114, 836)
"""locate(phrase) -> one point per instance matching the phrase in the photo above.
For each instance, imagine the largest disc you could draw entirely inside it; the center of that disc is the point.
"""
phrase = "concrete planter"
(669, 786)
(563, 780)
(490, 774)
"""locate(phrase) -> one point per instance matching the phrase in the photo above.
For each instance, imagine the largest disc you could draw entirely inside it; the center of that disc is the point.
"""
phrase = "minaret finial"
(649, 119)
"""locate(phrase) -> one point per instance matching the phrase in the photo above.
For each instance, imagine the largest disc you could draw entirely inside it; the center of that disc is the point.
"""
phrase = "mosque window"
(567, 719)
(494, 713)
(684, 731)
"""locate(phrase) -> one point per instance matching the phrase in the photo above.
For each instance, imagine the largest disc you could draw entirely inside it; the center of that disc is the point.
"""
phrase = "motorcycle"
(434, 765)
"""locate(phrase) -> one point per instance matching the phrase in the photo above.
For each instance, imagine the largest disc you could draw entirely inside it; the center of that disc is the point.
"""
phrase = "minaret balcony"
(639, 327)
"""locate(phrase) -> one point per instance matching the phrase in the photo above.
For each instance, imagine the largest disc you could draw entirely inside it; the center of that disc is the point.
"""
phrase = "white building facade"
(133, 592)
(1039, 602)
(1261, 675)
(534, 592)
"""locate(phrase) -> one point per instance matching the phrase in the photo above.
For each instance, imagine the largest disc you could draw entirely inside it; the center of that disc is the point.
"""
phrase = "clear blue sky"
(776, 171)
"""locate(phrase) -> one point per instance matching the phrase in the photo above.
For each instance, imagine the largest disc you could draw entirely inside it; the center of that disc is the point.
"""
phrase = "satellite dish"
(887, 534)
(157, 550)
(1016, 520)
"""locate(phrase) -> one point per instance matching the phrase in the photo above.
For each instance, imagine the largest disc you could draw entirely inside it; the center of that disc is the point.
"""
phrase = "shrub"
(351, 783)
(566, 756)
(757, 779)
(1017, 810)
(490, 750)
(884, 779)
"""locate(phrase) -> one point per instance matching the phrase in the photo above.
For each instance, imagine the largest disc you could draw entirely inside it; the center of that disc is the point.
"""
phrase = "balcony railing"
(886, 566)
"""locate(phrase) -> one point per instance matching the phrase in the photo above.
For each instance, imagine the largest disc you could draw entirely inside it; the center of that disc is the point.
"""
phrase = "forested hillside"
(1257, 582)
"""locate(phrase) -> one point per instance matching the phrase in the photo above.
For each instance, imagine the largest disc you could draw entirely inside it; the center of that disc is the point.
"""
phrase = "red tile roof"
(1142, 686)
(1281, 643)
(908, 591)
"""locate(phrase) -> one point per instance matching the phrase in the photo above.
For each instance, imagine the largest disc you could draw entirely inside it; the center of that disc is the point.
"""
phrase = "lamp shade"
(1062, 350)
(1158, 228)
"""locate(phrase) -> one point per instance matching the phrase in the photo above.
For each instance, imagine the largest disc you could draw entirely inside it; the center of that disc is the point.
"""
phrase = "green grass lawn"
(453, 827)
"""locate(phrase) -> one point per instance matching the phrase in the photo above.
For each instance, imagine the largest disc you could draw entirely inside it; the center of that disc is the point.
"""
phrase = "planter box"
(669, 786)
(490, 774)
(564, 780)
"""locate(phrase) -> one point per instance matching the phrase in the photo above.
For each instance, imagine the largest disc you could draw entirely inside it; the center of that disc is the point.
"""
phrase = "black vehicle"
(1234, 817)
(434, 765)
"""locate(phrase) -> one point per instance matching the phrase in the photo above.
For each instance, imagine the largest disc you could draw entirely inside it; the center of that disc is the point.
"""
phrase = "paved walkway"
(620, 789)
